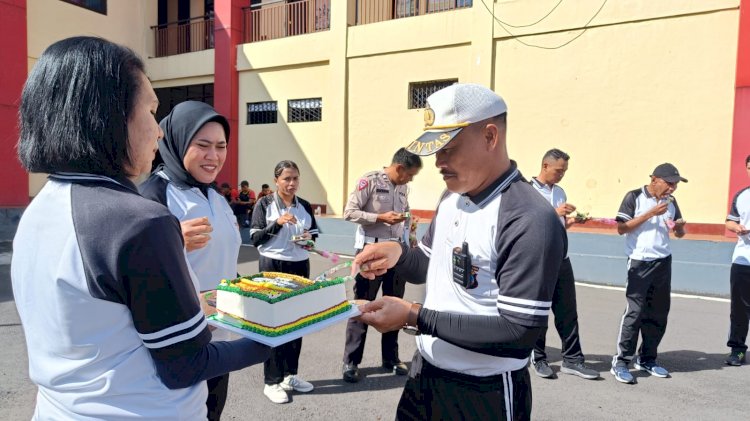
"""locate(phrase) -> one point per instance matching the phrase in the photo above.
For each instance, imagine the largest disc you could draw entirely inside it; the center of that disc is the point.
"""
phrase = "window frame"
(91, 8)
(415, 85)
(309, 110)
(275, 112)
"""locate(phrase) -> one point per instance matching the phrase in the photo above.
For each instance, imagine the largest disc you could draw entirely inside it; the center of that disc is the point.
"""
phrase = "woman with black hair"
(279, 218)
(113, 325)
(194, 149)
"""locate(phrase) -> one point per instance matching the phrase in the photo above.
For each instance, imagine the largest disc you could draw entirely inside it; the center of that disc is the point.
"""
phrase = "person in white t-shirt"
(738, 222)
(646, 217)
(564, 307)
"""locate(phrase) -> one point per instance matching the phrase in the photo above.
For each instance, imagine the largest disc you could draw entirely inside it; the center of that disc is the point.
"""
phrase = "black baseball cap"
(668, 173)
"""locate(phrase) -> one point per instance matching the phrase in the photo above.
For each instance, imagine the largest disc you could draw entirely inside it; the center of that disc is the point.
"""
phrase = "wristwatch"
(411, 322)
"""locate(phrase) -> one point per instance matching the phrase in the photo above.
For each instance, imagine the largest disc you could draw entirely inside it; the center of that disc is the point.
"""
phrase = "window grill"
(262, 112)
(308, 109)
(419, 91)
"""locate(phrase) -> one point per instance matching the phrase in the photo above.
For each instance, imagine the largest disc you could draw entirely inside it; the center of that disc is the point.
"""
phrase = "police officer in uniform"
(379, 206)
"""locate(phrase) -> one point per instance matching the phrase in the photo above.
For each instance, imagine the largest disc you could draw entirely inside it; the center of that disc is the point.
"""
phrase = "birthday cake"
(274, 304)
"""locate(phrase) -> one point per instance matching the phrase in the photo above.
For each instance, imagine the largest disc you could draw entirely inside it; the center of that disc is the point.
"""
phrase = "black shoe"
(736, 358)
(398, 368)
(350, 373)
(579, 369)
(542, 369)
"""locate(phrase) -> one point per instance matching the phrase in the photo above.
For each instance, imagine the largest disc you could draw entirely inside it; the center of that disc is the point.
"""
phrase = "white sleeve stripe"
(175, 339)
(523, 301)
(733, 218)
(624, 216)
(172, 329)
(254, 230)
(524, 310)
(426, 250)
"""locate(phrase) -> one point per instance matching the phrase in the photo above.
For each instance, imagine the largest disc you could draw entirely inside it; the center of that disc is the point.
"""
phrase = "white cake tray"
(280, 340)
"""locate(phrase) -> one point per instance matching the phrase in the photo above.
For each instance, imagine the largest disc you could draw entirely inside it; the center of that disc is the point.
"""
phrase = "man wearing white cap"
(646, 217)
(490, 260)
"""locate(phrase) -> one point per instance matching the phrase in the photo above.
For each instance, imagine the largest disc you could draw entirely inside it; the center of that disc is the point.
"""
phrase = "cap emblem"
(429, 117)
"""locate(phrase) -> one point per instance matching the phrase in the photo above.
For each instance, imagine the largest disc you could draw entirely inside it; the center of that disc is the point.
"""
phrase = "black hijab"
(179, 127)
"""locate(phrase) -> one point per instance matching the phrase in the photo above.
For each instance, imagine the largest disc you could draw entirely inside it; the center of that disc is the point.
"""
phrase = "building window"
(419, 91)
(262, 112)
(169, 97)
(301, 110)
(98, 6)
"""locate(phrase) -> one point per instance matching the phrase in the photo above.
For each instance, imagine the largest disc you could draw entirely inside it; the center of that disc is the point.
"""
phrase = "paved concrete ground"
(702, 387)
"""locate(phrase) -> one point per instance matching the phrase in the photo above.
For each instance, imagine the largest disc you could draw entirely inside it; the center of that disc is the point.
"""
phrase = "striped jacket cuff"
(177, 333)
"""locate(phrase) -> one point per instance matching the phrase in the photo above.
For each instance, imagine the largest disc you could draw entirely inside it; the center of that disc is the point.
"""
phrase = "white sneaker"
(292, 382)
(275, 393)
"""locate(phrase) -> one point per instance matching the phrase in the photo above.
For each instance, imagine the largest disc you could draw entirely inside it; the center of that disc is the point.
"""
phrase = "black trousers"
(432, 393)
(739, 280)
(566, 318)
(284, 359)
(217, 396)
(648, 301)
(356, 331)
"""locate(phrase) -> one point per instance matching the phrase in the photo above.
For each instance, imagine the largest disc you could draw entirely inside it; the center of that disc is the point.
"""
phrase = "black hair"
(265, 186)
(225, 185)
(407, 159)
(555, 154)
(283, 165)
(747, 160)
(244, 183)
(75, 107)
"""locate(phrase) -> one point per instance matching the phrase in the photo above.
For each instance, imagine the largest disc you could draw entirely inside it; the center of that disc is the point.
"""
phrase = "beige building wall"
(626, 97)
(647, 82)
(298, 67)
(262, 146)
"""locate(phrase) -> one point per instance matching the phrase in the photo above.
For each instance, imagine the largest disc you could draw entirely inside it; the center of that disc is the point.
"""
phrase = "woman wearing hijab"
(279, 218)
(113, 326)
(194, 149)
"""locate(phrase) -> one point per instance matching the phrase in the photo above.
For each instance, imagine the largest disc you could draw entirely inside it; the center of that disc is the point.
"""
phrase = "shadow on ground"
(371, 379)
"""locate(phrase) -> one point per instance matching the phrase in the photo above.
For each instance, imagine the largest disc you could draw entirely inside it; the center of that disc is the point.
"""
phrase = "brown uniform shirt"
(374, 194)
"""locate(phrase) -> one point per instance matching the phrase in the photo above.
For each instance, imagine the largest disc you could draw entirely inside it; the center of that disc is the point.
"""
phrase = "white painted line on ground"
(674, 294)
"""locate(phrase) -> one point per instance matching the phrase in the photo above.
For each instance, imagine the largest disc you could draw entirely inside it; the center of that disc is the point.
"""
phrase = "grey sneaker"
(622, 374)
(542, 369)
(651, 367)
(295, 383)
(579, 369)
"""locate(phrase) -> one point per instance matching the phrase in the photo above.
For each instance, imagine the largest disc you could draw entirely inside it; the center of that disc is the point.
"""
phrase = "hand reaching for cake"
(375, 259)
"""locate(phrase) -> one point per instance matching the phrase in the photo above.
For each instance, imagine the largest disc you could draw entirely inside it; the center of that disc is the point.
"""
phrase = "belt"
(369, 240)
